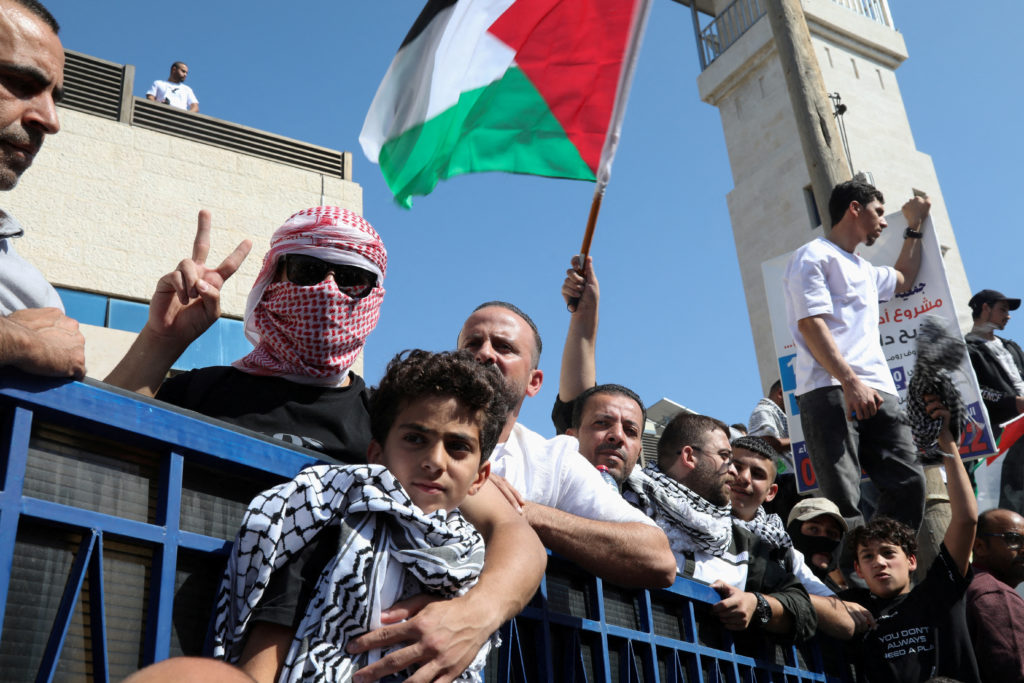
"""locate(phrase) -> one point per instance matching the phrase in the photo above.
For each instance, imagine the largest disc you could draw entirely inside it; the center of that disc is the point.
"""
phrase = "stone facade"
(109, 207)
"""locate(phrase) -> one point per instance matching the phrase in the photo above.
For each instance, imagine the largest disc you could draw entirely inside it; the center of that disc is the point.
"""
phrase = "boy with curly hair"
(368, 535)
(917, 632)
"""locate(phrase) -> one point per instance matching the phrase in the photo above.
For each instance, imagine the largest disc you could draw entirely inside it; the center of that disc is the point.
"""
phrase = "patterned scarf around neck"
(379, 525)
(691, 523)
(769, 528)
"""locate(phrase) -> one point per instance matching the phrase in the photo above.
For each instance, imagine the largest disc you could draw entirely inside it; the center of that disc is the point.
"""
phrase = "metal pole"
(696, 32)
(812, 111)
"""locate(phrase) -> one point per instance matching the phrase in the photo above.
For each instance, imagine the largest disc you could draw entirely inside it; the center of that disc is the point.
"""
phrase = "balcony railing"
(726, 28)
(101, 88)
(116, 514)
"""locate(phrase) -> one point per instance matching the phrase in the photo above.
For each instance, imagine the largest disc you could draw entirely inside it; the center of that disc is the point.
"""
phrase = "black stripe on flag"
(432, 9)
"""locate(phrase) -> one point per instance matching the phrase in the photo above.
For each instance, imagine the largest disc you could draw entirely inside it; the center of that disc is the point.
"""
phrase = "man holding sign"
(846, 395)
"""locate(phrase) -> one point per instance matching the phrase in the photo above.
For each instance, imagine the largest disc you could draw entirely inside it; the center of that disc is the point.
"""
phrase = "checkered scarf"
(691, 523)
(379, 525)
(313, 334)
(939, 353)
(769, 528)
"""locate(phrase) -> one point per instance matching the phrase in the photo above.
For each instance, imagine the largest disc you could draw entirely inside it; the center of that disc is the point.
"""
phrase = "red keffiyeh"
(313, 334)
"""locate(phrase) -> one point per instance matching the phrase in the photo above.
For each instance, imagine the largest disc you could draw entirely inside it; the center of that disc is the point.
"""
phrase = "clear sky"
(673, 316)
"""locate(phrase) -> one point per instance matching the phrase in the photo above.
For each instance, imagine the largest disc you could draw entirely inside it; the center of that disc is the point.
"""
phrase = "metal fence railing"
(733, 21)
(116, 513)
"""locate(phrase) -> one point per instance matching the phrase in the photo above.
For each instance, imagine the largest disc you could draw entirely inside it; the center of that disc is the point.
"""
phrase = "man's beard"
(709, 483)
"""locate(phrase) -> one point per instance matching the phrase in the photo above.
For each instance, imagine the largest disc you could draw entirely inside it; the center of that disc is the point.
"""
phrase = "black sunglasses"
(306, 271)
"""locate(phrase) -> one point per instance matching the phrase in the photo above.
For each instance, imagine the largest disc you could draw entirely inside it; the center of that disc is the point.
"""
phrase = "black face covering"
(809, 545)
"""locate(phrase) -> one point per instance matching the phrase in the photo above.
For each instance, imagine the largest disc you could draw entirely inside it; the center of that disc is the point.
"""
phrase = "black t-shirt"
(920, 634)
(332, 421)
(561, 414)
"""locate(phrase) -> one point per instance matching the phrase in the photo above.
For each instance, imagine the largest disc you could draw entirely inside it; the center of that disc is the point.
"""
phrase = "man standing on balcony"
(35, 335)
(173, 91)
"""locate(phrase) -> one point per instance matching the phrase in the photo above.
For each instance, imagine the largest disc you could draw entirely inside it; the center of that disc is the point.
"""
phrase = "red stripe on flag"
(571, 50)
(1011, 432)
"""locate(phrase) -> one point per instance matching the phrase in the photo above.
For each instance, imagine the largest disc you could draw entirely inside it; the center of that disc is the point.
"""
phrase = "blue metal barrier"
(116, 513)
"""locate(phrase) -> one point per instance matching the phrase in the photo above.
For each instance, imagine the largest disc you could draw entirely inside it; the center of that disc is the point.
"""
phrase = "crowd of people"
(424, 526)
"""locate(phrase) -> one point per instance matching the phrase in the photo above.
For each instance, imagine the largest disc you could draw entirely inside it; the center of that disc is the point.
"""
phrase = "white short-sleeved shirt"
(177, 95)
(552, 472)
(822, 279)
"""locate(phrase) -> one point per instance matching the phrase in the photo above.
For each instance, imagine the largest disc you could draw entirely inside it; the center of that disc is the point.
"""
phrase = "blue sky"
(673, 318)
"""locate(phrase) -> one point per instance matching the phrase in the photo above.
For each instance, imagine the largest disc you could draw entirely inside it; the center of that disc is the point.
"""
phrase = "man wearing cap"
(999, 365)
(849, 407)
(817, 529)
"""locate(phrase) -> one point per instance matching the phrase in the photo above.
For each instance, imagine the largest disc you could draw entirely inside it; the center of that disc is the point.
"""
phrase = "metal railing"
(875, 10)
(116, 514)
(101, 88)
(726, 28)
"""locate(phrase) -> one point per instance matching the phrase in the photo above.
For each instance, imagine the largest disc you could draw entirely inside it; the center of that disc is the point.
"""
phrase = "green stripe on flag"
(504, 126)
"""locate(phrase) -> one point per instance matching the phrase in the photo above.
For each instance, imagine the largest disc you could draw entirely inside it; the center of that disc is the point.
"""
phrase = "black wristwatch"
(911, 234)
(763, 611)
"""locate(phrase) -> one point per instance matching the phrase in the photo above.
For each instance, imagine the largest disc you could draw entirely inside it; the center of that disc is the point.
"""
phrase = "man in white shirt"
(173, 91)
(568, 504)
(846, 395)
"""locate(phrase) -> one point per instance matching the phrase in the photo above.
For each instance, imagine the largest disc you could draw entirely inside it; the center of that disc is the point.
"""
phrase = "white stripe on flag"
(454, 54)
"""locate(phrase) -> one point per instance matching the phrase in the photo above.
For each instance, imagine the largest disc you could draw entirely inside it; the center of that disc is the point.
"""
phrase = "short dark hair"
(851, 191)
(177, 63)
(758, 447)
(537, 345)
(776, 386)
(884, 530)
(580, 403)
(685, 429)
(413, 375)
(37, 8)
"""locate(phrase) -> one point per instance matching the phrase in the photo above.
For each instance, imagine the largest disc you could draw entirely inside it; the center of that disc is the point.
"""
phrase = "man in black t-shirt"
(920, 632)
(315, 301)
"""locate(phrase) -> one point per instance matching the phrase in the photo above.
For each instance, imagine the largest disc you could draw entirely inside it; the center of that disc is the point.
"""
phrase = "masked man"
(314, 302)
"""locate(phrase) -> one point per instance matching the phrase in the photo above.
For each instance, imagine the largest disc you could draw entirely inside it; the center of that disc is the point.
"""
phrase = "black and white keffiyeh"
(379, 526)
(691, 523)
(939, 353)
(769, 528)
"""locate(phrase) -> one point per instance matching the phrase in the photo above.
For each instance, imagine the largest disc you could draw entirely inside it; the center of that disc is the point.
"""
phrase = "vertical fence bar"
(165, 561)
(14, 458)
(62, 622)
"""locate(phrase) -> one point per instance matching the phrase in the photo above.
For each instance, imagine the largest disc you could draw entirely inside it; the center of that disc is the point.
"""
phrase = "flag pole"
(641, 12)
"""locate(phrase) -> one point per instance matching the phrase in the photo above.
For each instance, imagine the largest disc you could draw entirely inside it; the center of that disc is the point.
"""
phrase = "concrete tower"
(771, 205)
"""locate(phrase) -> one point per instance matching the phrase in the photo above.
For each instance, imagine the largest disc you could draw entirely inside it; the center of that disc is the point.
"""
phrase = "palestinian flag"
(524, 86)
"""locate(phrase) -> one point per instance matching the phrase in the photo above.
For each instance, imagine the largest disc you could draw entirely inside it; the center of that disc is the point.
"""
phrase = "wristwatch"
(911, 234)
(763, 611)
